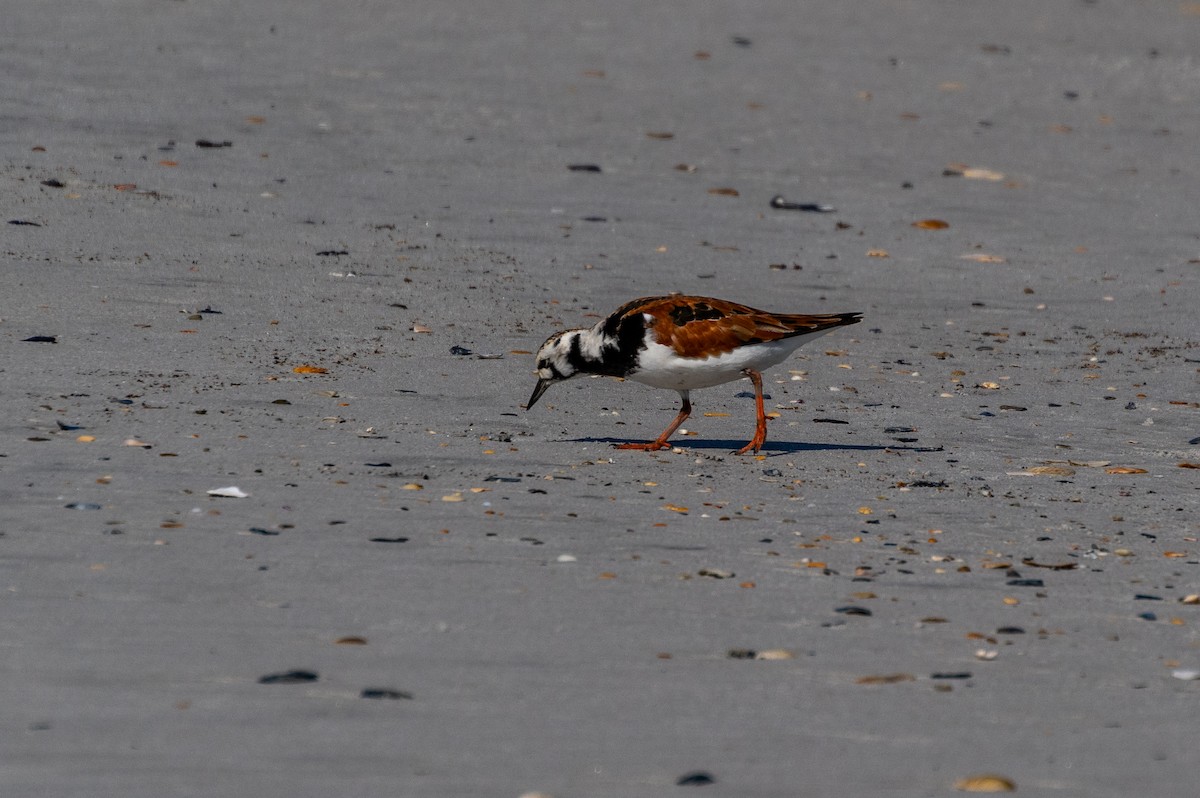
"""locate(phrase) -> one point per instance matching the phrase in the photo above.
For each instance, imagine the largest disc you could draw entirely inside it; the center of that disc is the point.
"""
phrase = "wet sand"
(965, 550)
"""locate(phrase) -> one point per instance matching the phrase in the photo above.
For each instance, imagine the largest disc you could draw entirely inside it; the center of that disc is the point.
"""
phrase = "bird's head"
(554, 362)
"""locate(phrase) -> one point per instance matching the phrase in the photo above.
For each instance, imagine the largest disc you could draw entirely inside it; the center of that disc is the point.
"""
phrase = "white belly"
(661, 367)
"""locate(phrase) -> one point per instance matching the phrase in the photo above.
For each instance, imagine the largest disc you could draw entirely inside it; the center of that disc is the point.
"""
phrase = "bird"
(682, 343)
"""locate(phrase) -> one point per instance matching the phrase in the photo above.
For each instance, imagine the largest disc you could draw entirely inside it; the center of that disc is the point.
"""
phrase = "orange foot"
(756, 444)
(652, 446)
(661, 443)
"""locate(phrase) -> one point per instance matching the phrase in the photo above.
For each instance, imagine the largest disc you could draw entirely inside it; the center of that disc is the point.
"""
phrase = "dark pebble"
(772, 472)
(461, 351)
(289, 677)
(209, 145)
(83, 506)
(925, 483)
(378, 465)
(388, 540)
(956, 675)
(809, 207)
(41, 339)
(1025, 583)
(326, 253)
(260, 531)
(829, 421)
(595, 219)
(1146, 597)
(1010, 630)
(52, 183)
(898, 430)
(742, 653)
(697, 778)
(23, 223)
(1148, 616)
(854, 611)
(384, 693)
(583, 167)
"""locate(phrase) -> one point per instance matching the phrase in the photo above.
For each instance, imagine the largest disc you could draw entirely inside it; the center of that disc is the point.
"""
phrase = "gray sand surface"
(543, 613)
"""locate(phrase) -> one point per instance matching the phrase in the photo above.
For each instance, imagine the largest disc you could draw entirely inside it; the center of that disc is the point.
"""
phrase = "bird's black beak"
(538, 390)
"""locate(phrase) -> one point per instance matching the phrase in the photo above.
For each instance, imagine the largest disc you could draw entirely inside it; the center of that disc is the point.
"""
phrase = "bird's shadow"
(770, 448)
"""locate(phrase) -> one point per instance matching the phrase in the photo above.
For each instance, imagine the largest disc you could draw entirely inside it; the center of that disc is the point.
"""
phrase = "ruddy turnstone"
(682, 343)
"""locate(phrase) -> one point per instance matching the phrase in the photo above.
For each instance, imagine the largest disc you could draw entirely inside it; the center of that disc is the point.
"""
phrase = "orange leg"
(760, 431)
(661, 443)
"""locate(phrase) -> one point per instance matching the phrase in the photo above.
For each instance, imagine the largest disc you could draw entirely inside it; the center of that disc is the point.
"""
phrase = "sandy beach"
(300, 255)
